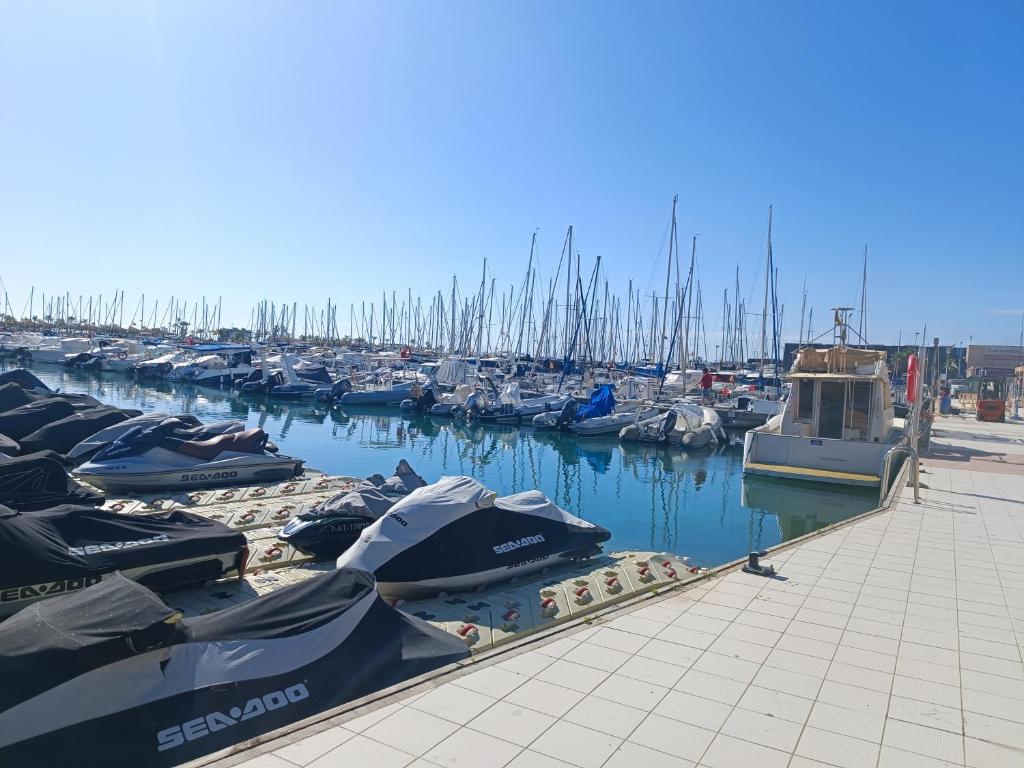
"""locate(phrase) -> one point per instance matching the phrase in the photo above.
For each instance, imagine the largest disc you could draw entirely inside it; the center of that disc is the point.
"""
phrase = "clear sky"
(300, 151)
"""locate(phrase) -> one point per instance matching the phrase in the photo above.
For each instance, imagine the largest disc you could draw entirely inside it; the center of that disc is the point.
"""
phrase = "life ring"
(406, 353)
(912, 376)
(122, 354)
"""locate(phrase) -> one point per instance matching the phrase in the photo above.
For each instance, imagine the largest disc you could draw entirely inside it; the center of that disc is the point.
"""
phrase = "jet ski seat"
(249, 441)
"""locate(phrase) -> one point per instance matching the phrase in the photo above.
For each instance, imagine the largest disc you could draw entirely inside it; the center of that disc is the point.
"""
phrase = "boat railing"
(890, 455)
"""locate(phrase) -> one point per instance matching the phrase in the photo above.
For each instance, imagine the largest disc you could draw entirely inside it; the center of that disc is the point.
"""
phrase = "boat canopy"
(843, 360)
(602, 402)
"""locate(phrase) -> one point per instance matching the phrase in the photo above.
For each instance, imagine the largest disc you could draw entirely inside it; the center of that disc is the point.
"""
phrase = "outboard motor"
(565, 418)
(667, 425)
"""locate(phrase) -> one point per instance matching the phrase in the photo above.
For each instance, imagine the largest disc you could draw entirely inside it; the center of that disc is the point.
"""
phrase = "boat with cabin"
(838, 424)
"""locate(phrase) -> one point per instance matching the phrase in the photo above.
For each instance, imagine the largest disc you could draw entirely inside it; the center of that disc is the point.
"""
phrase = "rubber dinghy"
(114, 676)
(456, 535)
(332, 526)
(67, 548)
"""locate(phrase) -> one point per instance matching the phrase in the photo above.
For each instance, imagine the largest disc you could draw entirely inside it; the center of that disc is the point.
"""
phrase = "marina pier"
(893, 639)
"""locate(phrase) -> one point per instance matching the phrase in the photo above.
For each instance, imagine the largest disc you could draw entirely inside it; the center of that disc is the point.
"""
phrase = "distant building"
(237, 335)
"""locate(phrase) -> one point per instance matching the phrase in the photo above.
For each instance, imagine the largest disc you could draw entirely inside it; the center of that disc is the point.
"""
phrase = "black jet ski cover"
(24, 379)
(70, 546)
(8, 447)
(455, 534)
(147, 689)
(40, 480)
(63, 435)
(330, 527)
(26, 419)
(13, 396)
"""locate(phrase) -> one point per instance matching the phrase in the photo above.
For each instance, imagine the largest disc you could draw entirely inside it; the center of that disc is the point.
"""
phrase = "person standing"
(706, 380)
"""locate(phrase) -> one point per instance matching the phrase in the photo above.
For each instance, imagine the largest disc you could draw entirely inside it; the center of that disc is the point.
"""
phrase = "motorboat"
(154, 458)
(54, 349)
(330, 527)
(509, 407)
(452, 404)
(458, 535)
(838, 424)
(382, 391)
(213, 365)
(69, 547)
(287, 384)
(113, 675)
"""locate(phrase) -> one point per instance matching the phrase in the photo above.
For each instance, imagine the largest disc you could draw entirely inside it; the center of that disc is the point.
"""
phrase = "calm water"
(649, 498)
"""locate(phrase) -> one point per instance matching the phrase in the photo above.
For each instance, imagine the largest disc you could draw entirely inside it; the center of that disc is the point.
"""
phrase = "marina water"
(650, 498)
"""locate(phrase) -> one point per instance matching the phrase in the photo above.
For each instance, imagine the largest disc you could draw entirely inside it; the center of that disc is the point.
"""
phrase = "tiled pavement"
(894, 642)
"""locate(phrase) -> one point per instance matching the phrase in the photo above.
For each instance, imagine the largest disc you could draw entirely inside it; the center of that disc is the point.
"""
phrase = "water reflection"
(650, 497)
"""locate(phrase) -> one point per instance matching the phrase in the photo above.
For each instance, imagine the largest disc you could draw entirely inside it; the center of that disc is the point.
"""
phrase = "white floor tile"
(468, 748)
(575, 744)
(519, 725)
(672, 736)
(411, 731)
(729, 752)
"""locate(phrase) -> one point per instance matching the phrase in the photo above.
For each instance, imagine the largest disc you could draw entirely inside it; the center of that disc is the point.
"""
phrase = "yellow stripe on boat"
(806, 473)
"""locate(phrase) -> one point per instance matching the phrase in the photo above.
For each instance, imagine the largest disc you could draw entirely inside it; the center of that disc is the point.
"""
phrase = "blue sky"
(300, 151)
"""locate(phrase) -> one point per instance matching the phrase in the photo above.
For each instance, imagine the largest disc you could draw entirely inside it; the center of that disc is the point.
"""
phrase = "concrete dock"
(893, 641)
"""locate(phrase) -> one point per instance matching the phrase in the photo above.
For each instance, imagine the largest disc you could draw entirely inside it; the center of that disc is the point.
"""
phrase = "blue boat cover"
(602, 402)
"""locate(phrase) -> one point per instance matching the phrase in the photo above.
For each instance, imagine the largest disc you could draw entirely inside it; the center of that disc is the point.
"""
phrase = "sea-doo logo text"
(113, 546)
(398, 520)
(30, 592)
(526, 541)
(176, 735)
(201, 476)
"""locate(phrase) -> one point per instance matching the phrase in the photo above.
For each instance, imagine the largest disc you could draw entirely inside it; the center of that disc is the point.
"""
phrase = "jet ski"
(62, 435)
(68, 547)
(330, 527)
(154, 458)
(40, 480)
(112, 675)
(187, 428)
(456, 535)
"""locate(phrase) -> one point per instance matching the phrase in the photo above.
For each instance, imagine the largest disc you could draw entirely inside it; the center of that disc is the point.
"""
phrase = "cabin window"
(860, 406)
(805, 400)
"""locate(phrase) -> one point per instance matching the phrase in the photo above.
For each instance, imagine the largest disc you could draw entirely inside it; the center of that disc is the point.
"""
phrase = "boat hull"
(843, 462)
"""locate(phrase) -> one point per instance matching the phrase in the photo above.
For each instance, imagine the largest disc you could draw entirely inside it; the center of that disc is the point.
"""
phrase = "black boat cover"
(8, 447)
(63, 435)
(55, 640)
(40, 480)
(147, 688)
(73, 541)
(22, 378)
(370, 498)
(26, 419)
(13, 396)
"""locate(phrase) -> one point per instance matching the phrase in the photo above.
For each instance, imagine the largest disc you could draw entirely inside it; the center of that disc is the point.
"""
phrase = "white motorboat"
(837, 425)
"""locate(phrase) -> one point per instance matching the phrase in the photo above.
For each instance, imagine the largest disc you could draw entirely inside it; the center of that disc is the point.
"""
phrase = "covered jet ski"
(154, 458)
(188, 427)
(114, 676)
(455, 535)
(40, 480)
(24, 379)
(13, 396)
(25, 419)
(69, 547)
(62, 435)
(330, 527)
